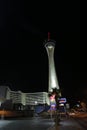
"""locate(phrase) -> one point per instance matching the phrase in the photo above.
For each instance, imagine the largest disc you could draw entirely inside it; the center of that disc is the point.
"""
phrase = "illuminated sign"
(53, 107)
(52, 98)
(62, 100)
(52, 102)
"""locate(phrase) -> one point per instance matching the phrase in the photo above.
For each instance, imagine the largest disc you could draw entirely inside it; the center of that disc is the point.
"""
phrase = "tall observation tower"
(53, 81)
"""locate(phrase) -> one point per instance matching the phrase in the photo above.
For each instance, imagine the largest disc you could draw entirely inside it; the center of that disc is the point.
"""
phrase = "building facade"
(19, 97)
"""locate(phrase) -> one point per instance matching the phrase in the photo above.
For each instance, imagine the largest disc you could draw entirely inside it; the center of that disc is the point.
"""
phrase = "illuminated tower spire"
(50, 46)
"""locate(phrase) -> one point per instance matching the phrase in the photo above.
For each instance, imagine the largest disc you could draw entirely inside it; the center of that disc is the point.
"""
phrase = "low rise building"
(26, 99)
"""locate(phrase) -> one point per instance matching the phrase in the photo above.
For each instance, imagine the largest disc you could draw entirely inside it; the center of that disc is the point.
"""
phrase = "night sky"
(23, 57)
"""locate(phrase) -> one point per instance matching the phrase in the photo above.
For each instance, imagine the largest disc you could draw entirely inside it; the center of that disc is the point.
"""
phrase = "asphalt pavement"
(37, 123)
(68, 124)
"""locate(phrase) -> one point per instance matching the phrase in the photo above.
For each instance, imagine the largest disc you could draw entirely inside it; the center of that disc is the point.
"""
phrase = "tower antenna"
(48, 36)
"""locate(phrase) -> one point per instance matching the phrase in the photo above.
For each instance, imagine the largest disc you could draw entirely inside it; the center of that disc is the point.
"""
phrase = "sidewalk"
(67, 124)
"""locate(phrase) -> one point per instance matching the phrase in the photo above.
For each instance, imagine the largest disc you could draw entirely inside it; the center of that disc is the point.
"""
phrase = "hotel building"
(19, 97)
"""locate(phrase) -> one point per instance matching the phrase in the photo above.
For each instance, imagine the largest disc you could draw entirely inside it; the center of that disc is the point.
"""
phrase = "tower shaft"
(53, 82)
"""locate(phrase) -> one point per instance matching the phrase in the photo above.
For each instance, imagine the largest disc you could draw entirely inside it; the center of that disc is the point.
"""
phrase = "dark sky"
(23, 58)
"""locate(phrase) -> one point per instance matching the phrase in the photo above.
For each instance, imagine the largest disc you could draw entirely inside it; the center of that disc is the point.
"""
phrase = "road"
(73, 123)
(35, 123)
(82, 122)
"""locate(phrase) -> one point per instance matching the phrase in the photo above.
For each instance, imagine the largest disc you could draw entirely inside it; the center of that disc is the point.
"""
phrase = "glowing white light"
(35, 102)
(50, 47)
(61, 104)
